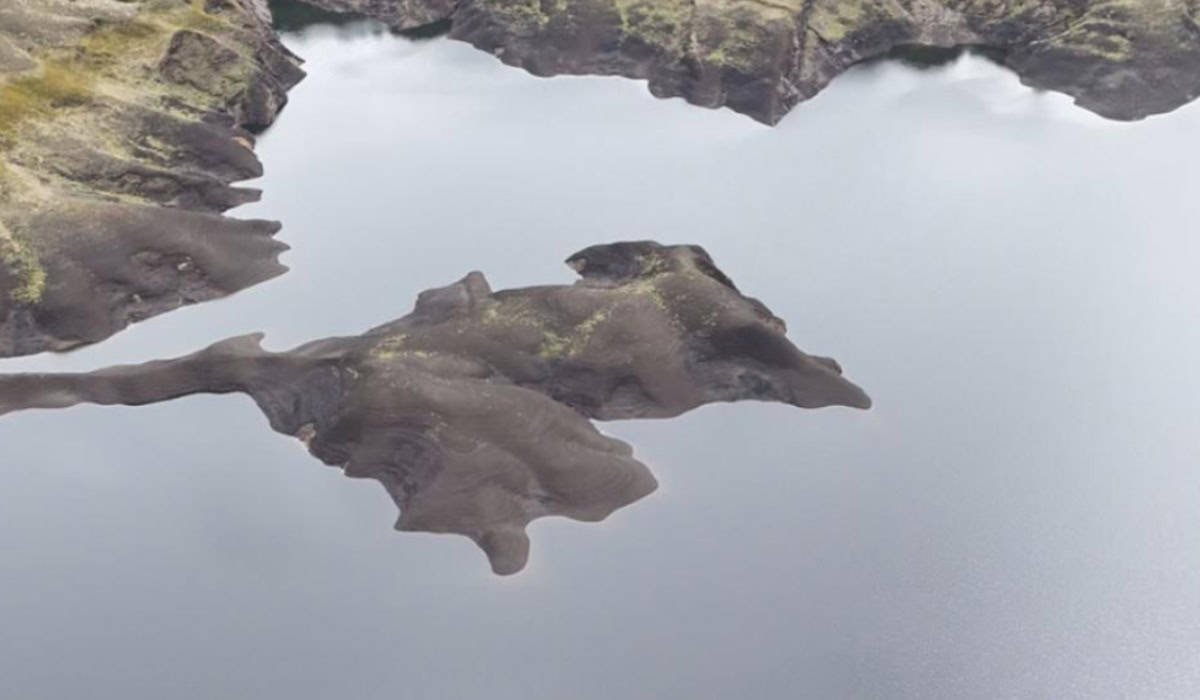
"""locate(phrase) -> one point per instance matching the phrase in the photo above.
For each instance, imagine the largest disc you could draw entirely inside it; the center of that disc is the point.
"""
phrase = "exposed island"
(472, 411)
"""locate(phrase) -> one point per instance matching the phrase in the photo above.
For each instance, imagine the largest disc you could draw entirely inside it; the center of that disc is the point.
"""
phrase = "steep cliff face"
(472, 411)
(122, 127)
(1124, 59)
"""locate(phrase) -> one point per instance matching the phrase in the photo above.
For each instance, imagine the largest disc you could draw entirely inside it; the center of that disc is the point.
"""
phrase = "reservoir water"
(1011, 278)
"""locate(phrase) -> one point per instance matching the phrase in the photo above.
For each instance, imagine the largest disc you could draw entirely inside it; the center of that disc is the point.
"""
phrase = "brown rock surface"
(122, 127)
(1124, 59)
(472, 411)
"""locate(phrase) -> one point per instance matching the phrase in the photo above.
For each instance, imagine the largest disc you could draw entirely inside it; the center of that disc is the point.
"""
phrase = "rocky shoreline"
(123, 124)
(122, 127)
(1123, 59)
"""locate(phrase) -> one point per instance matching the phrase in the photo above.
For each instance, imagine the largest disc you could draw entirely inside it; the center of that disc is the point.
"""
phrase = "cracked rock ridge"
(123, 124)
(1123, 59)
(473, 410)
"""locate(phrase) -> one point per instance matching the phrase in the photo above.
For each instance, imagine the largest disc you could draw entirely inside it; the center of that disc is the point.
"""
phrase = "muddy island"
(473, 410)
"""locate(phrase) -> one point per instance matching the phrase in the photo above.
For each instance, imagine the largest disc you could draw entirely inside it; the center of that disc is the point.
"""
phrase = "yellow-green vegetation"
(739, 34)
(23, 265)
(558, 345)
(658, 23)
(108, 44)
(1002, 9)
(514, 311)
(1107, 44)
(530, 11)
(555, 342)
(1104, 29)
(519, 312)
(834, 21)
(553, 345)
(196, 18)
(393, 346)
(70, 76)
(55, 86)
(647, 288)
(389, 347)
(112, 59)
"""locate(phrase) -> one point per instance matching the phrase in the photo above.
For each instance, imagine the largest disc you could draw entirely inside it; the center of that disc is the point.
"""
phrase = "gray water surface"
(1011, 278)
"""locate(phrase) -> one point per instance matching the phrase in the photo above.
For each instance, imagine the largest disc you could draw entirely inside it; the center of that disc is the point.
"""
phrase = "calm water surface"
(1011, 278)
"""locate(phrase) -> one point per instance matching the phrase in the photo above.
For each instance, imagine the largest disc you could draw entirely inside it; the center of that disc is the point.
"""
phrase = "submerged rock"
(472, 411)
(122, 125)
(1124, 59)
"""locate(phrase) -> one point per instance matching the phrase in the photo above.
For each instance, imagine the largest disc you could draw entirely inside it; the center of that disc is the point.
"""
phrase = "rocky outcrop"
(124, 123)
(1123, 59)
(472, 411)
(122, 126)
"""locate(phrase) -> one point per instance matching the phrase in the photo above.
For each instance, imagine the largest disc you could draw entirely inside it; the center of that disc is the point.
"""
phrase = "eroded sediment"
(472, 411)
(122, 126)
(1123, 59)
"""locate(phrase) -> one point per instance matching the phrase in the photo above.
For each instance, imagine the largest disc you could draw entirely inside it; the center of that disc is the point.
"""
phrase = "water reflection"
(922, 56)
(1011, 277)
(292, 16)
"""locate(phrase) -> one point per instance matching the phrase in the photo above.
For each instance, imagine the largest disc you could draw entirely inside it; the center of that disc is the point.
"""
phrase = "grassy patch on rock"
(55, 86)
(23, 265)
